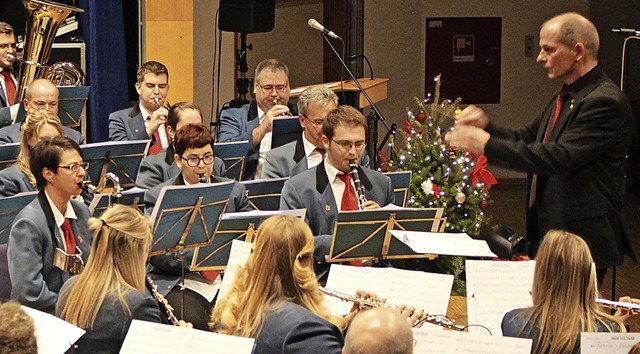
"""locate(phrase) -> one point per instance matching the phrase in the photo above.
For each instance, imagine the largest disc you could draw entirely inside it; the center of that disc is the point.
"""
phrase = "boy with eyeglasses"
(253, 121)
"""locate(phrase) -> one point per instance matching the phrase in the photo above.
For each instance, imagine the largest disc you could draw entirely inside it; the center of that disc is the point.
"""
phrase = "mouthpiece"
(157, 100)
(202, 178)
(86, 185)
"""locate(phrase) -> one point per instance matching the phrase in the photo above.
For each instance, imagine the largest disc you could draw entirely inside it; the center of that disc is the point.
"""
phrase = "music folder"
(264, 194)
(8, 154)
(285, 130)
(186, 216)
(9, 208)
(241, 226)
(122, 158)
(72, 102)
(400, 181)
(234, 155)
(364, 235)
(133, 197)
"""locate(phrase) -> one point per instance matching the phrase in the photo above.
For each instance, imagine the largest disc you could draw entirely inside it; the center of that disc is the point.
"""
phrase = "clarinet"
(356, 181)
(163, 304)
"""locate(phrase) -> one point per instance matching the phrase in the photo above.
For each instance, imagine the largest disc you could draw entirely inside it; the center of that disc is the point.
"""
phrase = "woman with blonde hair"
(110, 291)
(275, 298)
(39, 124)
(564, 299)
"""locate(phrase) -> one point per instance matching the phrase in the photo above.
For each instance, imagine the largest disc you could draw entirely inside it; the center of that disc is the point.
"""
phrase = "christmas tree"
(442, 177)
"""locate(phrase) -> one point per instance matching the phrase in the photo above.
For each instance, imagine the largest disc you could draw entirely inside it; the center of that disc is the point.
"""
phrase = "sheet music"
(444, 243)
(439, 342)
(495, 288)
(607, 343)
(298, 213)
(240, 252)
(174, 339)
(426, 291)
(53, 335)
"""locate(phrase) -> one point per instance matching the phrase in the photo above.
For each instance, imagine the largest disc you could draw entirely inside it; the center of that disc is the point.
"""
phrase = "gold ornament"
(460, 197)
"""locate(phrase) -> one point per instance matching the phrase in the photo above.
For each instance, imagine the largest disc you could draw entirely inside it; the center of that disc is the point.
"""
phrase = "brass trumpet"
(439, 320)
(634, 308)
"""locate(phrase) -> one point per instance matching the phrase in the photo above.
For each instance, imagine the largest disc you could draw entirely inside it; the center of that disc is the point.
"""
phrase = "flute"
(634, 308)
(439, 320)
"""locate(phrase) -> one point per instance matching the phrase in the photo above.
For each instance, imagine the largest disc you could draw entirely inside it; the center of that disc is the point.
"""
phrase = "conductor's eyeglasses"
(194, 161)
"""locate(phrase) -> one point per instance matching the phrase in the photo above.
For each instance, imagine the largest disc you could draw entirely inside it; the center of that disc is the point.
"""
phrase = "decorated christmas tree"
(442, 177)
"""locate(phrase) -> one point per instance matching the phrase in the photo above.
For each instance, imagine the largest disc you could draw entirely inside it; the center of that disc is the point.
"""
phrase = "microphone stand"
(372, 119)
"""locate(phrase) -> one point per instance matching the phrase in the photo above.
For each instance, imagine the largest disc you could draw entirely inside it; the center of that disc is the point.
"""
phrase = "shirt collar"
(308, 147)
(332, 172)
(69, 213)
(145, 114)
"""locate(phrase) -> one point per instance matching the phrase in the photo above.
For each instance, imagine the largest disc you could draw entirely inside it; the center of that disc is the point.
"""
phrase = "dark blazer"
(580, 171)
(11, 134)
(128, 124)
(290, 159)
(14, 181)
(515, 324)
(158, 168)
(5, 117)
(294, 329)
(112, 322)
(33, 239)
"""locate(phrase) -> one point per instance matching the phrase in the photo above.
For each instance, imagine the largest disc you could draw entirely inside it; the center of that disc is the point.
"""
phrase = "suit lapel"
(327, 202)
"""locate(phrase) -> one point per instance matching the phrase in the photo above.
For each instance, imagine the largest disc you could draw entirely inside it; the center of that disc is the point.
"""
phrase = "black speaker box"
(247, 16)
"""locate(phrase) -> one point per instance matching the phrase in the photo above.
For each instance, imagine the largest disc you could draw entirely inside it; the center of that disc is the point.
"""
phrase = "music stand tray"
(264, 194)
(400, 181)
(186, 216)
(9, 208)
(234, 155)
(363, 235)
(285, 130)
(133, 197)
(122, 158)
(241, 226)
(8, 154)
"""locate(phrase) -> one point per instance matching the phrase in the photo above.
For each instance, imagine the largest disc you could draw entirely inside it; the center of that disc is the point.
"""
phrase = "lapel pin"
(81, 239)
(327, 207)
(572, 102)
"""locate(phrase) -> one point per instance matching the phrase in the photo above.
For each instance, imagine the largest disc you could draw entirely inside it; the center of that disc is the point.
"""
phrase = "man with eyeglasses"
(52, 233)
(194, 155)
(8, 81)
(40, 94)
(308, 151)
(329, 187)
(253, 122)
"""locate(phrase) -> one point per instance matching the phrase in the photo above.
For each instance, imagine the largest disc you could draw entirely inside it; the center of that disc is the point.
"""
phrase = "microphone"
(623, 30)
(317, 26)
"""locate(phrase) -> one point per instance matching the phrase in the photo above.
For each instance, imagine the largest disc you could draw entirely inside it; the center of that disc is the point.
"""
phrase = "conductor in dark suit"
(329, 187)
(145, 120)
(574, 151)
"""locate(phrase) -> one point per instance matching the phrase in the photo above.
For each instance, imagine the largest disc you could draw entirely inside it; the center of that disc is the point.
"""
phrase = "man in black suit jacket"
(575, 166)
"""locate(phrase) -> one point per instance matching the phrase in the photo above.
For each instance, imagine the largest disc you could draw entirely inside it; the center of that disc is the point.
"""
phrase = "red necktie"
(69, 238)
(157, 143)
(349, 202)
(545, 139)
(321, 151)
(10, 86)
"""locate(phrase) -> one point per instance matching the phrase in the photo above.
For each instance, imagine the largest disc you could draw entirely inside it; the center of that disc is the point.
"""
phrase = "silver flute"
(439, 320)
(356, 181)
(634, 308)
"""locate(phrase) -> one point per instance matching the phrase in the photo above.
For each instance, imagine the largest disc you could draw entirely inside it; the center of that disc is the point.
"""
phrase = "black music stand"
(285, 130)
(9, 208)
(233, 226)
(73, 100)
(122, 158)
(264, 194)
(234, 155)
(400, 181)
(133, 197)
(8, 154)
(365, 235)
(186, 216)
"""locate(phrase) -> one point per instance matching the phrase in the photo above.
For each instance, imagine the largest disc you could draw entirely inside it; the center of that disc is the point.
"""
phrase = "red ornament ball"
(484, 204)
(421, 117)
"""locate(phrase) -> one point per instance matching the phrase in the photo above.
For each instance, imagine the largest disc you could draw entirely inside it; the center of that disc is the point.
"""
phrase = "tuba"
(44, 18)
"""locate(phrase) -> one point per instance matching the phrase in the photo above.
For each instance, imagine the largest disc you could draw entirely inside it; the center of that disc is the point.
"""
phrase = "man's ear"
(178, 161)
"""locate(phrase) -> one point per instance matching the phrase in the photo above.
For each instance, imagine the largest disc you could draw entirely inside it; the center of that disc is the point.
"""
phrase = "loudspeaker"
(247, 16)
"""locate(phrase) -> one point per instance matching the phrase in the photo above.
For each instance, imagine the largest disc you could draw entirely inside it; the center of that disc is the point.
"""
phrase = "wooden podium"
(376, 89)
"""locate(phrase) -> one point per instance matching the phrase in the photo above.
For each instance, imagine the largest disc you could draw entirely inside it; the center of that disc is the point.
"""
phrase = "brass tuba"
(44, 18)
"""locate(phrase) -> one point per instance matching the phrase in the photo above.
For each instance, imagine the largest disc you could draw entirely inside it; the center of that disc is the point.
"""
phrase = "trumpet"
(356, 181)
(634, 308)
(439, 320)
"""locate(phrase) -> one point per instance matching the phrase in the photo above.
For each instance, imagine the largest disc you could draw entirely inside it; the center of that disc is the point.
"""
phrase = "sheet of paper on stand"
(53, 335)
(444, 243)
(240, 252)
(298, 213)
(427, 291)
(438, 342)
(174, 339)
(607, 343)
(495, 288)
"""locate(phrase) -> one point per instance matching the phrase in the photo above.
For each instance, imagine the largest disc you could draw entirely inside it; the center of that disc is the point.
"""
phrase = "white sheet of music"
(148, 337)
(427, 291)
(53, 334)
(455, 244)
(495, 288)
(439, 342)
(238, 256)
(607, 343)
